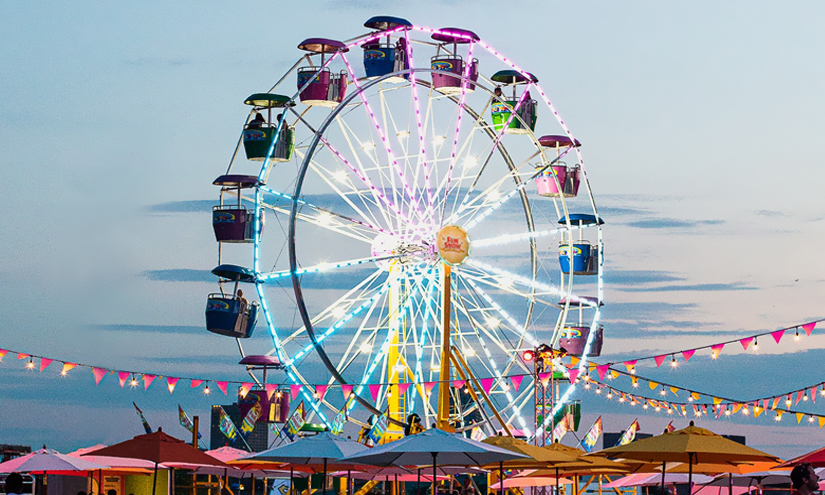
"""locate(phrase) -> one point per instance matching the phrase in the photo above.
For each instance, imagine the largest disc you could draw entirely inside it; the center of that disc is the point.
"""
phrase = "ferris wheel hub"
(453, 244)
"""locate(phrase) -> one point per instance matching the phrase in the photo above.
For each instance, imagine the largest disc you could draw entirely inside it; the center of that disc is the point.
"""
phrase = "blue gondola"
(385, 57)
(231, 314)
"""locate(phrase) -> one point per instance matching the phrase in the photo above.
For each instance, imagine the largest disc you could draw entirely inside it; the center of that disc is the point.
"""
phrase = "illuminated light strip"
(323, 267)
(419, 374)
(270, 324)
(417, 105)
(269, 190)
(376, 36)
(379, 355)
(517, 278)
(453, 156)
(387, 146)
(522, 330)
(508, 238)
(492, 362)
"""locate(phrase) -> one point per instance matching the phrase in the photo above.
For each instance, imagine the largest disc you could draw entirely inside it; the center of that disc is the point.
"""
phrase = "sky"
(699, 123)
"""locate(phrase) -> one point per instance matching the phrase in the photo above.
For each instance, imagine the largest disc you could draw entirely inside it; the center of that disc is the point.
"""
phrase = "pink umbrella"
(228, 453)
(118, 463)
(525, 481)
(48, 461)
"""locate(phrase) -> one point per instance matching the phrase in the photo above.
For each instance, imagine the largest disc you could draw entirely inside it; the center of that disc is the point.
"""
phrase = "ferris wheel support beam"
(460, 363)
(443, 418)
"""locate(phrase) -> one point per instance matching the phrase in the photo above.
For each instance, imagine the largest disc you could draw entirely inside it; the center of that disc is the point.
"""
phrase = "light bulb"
(810, 419)
(755, 345)
(133, 382)
(30, 364)
(796, 339)
(673, 362)
(206, 390)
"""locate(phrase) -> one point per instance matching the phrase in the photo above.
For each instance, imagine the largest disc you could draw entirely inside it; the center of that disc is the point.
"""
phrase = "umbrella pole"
(690, 473)
(557, 480)
(100, 482)
(663, 478)
(418, 483)
(730, 484)
(501, 475)
(291, 480)
(253, 484)
(323, 480)
(434, 474)
(155, 479)
(349, 481)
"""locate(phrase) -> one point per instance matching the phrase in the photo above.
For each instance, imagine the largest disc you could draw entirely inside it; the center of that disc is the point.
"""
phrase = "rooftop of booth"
(582, 219)
(261, 361)
(322, 45)
(455, 35)
(313, 427)
(386, 22)
(269, 100)
(234, 273)
(235, 180)
(513, 77)
(557, 141)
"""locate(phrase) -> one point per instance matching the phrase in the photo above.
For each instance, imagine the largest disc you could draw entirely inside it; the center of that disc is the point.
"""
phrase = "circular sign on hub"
(453, 245)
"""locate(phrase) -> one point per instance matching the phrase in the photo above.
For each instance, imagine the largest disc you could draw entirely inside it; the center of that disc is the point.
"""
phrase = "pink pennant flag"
(3, 352)
(147, 380)
(799, 396)
(602, 371)
(245, 388)
(660, 359)
(458, 383)
(403, 387)
(270, 390)
(196, 383)
(321, 390)
(809, 327)
(374, 389)
(777, 335)
(516, 381)
(688, 354)
(572, 374)
(20, 355)
(222, 386)
(544, 378)
(717, 349)
(122, 376)
(746, 342)
(766, 404)
(428, 387)
(44, 363)
(346, 390)
(630, 365)
(295, 390)
(99, 374)
(813, 394)
(171, 383)
(487, 384)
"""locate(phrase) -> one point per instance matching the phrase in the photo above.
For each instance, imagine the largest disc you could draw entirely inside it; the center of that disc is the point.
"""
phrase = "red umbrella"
(815, 459)
(159, 447)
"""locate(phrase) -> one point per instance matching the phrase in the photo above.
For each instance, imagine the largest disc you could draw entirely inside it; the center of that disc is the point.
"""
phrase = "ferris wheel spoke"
(504, 280)
(328, 266)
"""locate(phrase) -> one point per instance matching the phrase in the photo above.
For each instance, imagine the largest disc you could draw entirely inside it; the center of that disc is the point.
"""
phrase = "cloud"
(671, 223)
(770, 213)
(690, 287)
(191, 206)
(637, 277)
(180, 275)
(163, 329)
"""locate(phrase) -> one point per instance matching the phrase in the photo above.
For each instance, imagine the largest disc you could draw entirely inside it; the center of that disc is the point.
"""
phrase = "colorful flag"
(340, 420)
(592, 435)
(669, 428)
(377, 431)
(560, 430)
(226, 425)
(295, 423)
(630, 434)
(251, 418)
(186, 422)
(146, 426)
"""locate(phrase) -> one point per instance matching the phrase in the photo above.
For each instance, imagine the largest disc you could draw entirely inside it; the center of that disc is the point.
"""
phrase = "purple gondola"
(274, 403)
(451, 66)
(559, 179)
(233, 222)
(324, 87)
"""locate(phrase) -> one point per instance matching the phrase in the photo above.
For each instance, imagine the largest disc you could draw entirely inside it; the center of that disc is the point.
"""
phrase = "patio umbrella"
(159, 448)
(536, 456)
(579, 465)
(116, 464)
(691, 445)
(48, 461)
(815, 459)
(653, 479)
(315, 450)
(431, 446)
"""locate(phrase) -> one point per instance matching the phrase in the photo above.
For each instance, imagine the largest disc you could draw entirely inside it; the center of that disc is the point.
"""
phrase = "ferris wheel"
(420, 230)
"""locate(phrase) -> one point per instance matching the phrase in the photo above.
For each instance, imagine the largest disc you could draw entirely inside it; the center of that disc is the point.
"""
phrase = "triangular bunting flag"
(775, 402)
(544, 378)
(614, 374)
(487, 384)
(674, 390)
(799, 417)
(222, 386)
(147, 380)
(766, 404)
(346, 390)
(99, 374)
(809, 327)
(403, 387)
(572, 374)
(696, 395)
(171, 383)
(652, 385)
(20, 355)
(736, 408)
(245, 388)
(294, 391)
(516, 381)
(777, 335)
(630, 365)
(374, 388)
(799, 396)
(746, 342)
(44, 363)
(428, 387)
(660, 359)
(122, 376)
(195, 383)
(688, 354)
(574, 360)
(270, 389)
(602, 371)
(717, 400)
(3, 352)
(321, 390)
(634, 380)
(821, 421)
(813, 394)
(458, 383)
(715, 350)
(67, 367)
(757, 411)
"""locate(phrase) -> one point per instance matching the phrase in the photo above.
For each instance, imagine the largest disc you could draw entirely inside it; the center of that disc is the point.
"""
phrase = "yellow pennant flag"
(821, 421)
(695, 396)
(652, 385)
(614, 373)
(717, 401)
(591, 367)
(775, 403)
(736, 408)
(635, 381)
(779, 415)
(674, 390)
(757, 411)
(799, 417)
(574, 360)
